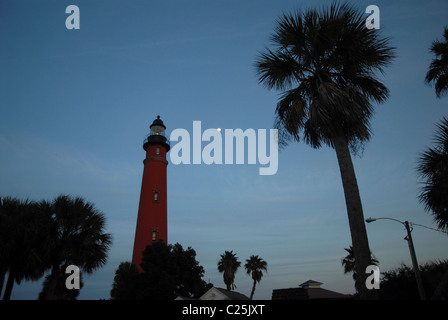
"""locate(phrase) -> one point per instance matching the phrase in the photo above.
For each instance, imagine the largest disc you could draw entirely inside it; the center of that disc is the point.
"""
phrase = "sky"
(75, 106)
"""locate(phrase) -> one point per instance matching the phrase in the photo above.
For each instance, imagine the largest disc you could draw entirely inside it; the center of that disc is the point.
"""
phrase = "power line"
(416, 224)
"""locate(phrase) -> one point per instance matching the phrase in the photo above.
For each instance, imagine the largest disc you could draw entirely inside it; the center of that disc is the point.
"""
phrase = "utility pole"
(418, 277)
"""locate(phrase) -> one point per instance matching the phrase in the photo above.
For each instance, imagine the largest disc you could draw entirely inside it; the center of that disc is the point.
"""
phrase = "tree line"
(170, 271)
(399, 283)
(37, 237)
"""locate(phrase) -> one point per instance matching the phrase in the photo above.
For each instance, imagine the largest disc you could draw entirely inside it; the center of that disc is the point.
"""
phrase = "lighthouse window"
(158, 151)
(154, 235)
(156, 196)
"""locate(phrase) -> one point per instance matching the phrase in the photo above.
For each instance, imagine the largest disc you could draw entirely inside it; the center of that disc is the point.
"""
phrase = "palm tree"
(24, 230)
(229, 264)
(438, 70)
(255, 266)
(60, 292)
(349, 262)
(325, 62)
(433, 168)
(78, 238)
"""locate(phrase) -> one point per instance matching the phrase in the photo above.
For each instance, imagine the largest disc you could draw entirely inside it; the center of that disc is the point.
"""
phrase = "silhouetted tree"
(168, 271)
(400, 283)
(326, 61)
(438, 70)
(229, 265)
(348, 262)
(126, 282)
(433, 169)
(255, 266)
(60, 290)
(189, 281)
(24, 241)
(77, 238)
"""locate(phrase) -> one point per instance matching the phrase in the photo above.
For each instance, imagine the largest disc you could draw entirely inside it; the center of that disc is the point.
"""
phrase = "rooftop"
(308, 290)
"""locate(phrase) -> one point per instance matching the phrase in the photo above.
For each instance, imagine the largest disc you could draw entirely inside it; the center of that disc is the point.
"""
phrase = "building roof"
(184, 298)
(233, 295)
(215, 293)
(311, 284)
(309, 290)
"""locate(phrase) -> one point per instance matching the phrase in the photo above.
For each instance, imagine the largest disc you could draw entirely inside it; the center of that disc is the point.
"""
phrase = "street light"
(418, 277)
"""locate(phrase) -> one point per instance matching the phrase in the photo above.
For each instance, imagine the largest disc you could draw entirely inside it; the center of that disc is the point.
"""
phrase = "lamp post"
(418, 277)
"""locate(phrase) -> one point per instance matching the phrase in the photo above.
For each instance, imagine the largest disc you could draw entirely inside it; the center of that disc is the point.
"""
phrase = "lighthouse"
(152, 210)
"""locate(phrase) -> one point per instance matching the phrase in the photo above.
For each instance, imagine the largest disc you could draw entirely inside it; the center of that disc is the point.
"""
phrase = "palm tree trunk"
(355, 214)
(2, 279)
(253, 290)
(49, 293)
(227, 281)
(9, 286)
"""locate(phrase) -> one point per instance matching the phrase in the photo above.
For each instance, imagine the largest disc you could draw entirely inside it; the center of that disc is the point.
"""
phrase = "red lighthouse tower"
(152, 210)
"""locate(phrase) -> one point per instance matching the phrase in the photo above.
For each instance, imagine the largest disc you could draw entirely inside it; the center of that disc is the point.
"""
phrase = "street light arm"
(385, 218)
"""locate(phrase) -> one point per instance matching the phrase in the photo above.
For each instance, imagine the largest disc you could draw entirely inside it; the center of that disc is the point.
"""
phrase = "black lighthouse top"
(157, 135)
(157, 122)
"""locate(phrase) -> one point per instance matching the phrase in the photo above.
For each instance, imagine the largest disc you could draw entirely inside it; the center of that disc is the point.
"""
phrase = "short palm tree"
(433, 169)
(438, 69)
(325, 63)
(78, 238)
(349, 262)
(24, 239)
(229, 265)
(255, 266)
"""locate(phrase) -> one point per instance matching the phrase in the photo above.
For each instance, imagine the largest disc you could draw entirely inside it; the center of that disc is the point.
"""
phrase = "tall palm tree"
(438, 69)
(229, 265)
(78, 238)
(433, 169)
(255, 266)
(325, 62)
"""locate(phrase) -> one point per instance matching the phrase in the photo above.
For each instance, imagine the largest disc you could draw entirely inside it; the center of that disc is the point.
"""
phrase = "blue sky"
(76, 105)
